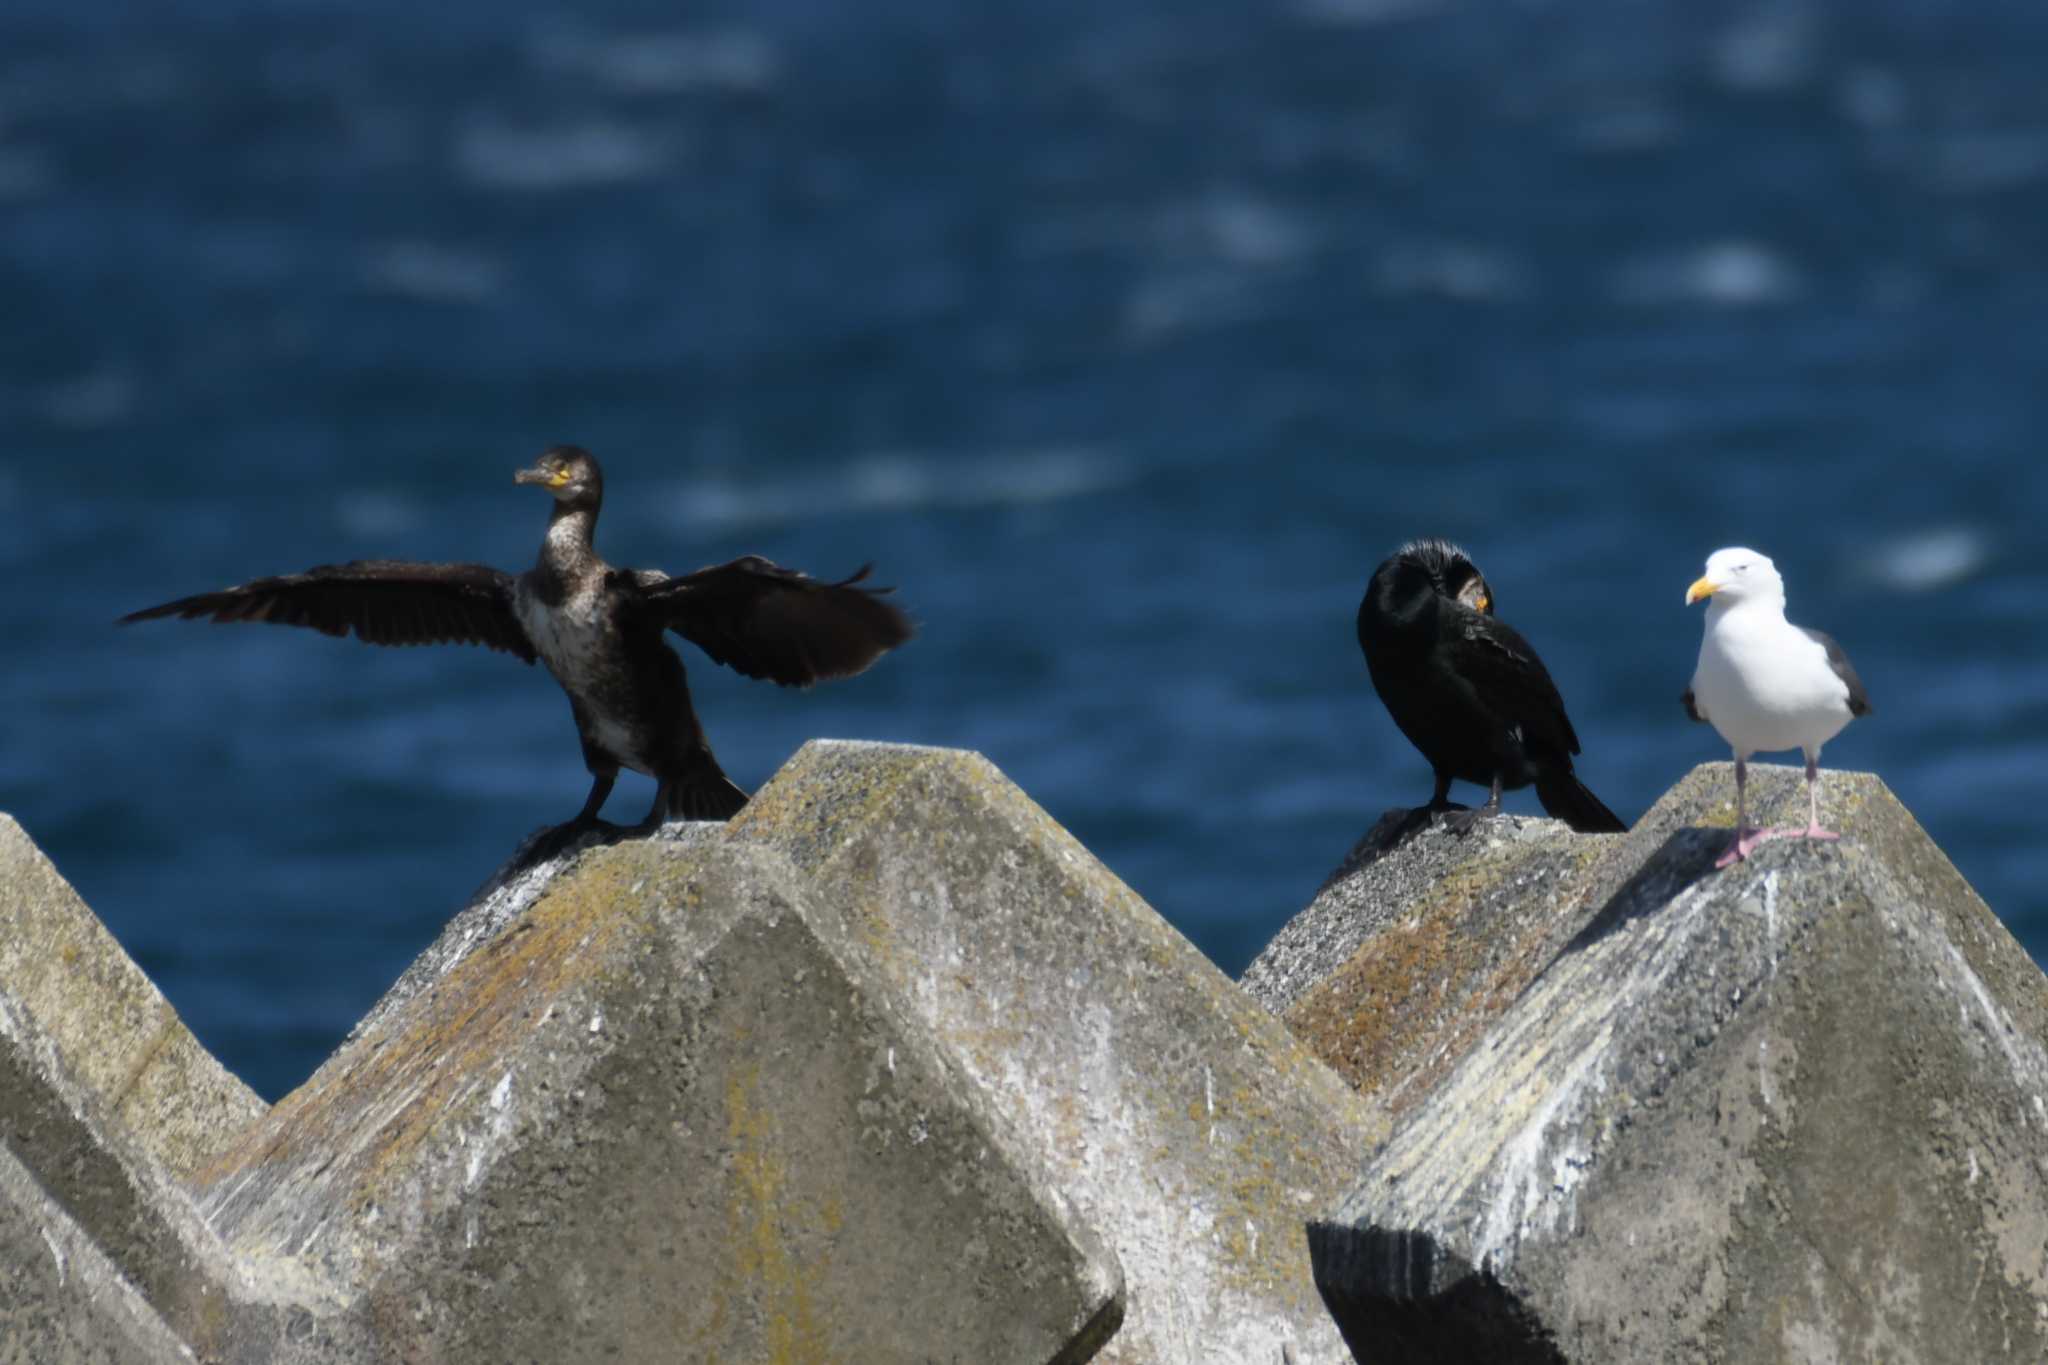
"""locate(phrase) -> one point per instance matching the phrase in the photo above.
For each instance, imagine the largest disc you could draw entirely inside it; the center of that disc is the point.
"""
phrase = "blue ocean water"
(1126, 340)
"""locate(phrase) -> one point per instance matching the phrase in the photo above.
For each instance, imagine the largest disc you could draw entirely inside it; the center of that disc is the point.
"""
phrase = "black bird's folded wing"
(1505, 670)
(383, 601)
(766, 621)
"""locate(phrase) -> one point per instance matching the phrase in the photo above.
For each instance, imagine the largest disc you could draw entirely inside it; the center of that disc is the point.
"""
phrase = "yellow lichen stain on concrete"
(444, 1043)
(768, 1270)
(1362, 1019)
(1413, 999)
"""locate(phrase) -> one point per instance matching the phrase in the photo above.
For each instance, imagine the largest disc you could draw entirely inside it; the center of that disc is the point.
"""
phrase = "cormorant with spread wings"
(599, 631)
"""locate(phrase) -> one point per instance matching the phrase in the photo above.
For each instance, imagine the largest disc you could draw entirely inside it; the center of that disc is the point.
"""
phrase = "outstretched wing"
(384, 601)
(766, 621)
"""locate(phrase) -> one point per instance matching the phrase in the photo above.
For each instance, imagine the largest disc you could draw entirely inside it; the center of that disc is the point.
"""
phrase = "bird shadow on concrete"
(553, 841)
(1685, 856)
(1400, 1297)
(1393, 829)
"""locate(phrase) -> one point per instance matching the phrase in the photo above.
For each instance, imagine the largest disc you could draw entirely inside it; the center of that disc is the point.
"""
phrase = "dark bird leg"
(1440, 799)
(664, 792)
(1462, 823)
(1746, 839)
(1422, 817)
(600, 788)
(551, 841)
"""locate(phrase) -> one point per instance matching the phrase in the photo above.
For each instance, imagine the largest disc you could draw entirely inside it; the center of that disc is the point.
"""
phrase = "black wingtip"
(155, 613)
(858, 579)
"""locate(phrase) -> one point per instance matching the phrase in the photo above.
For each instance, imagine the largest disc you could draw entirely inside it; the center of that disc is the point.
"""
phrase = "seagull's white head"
(1735, 576)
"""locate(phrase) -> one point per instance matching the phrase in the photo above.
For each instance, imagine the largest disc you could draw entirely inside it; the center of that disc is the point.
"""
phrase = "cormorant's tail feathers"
(705, 793)
(1566, 798)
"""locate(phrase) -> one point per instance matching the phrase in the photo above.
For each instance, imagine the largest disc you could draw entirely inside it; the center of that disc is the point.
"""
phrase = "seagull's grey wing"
(1692, 706)
(1859, 700)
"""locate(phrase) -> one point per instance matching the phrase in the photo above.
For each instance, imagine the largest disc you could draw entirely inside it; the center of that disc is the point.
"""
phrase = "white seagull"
(1767, 684)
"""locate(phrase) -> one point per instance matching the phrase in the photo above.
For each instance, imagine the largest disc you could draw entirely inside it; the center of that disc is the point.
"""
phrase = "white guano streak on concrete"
(1771, 919)
(1763, 1043)
(57, 1255)
(2029, 1063)
(1514, 1147)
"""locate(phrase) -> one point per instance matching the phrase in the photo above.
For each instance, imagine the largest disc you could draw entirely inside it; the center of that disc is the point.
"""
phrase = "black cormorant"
(1467, 689)
(598, 630)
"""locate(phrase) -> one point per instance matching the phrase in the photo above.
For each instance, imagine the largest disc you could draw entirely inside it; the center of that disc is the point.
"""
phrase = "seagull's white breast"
(1766, 685)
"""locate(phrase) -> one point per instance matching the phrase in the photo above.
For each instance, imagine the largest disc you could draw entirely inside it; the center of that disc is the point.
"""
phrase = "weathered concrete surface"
(1400, 964)
(105, 1099)
(1796, 1110)
(665, 1113)
(1185, 1125)
(504, 896)
(106, 1188)
(62, 1302)
(112, 1031)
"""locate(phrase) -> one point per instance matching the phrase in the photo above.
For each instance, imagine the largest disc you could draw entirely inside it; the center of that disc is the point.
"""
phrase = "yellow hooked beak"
(557, 479)
(1705, 587)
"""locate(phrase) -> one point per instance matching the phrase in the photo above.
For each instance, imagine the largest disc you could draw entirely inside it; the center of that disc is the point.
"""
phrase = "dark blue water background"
(1127, 339)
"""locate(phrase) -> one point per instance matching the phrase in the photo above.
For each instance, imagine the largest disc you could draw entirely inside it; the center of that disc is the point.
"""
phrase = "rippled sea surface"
(1126, 339)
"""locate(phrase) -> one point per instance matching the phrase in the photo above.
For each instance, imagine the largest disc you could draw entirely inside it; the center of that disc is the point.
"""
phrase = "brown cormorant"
(1467, 689)
(598, 630)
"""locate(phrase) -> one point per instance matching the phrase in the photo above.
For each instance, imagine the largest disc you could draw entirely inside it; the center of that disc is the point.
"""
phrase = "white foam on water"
(551, 157)
(431, 272)
(378, 512)
(1927, 560)
(889, 481)
(1364, 13)
(1452, 270)
(1725, 274)
(667, 63)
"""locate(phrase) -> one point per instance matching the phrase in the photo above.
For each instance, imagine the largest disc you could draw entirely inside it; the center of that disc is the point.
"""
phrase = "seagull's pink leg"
(1813, 829)
(1746, 839)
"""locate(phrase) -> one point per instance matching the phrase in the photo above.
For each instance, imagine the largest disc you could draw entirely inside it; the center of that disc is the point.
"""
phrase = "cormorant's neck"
(571, 538)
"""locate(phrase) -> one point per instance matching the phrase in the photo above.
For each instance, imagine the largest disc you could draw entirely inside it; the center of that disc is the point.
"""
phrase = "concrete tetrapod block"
(110, 1028)
(1190, 1130)
(1400, 964)
(62, 1302)
(664, 1114)
(1794, 1110)
(105, 1099)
